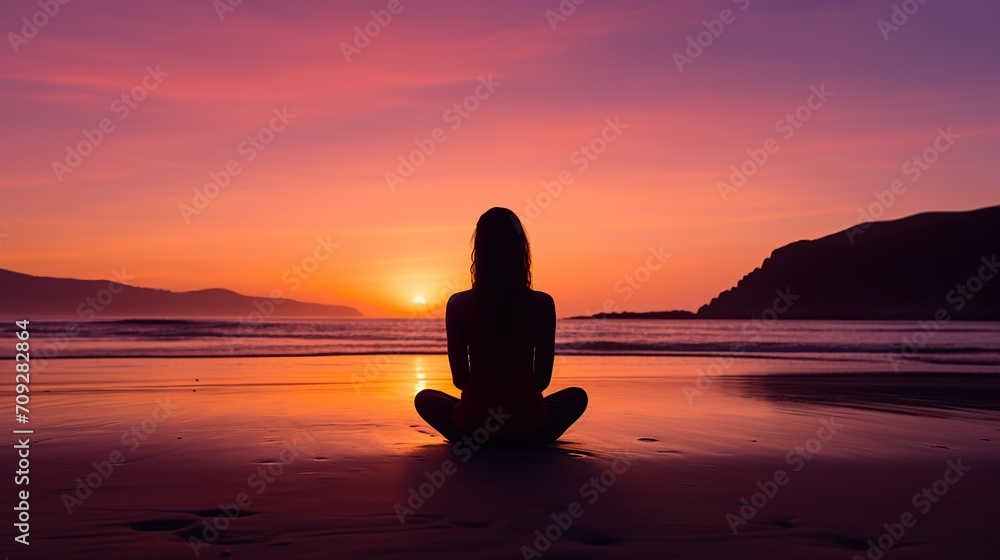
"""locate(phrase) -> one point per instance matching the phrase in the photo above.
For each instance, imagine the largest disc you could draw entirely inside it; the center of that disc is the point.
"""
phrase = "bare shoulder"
(460, 299)
(542, 300)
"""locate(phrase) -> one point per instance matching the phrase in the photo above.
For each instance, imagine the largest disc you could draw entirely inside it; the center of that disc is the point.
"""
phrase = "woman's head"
(501, 255)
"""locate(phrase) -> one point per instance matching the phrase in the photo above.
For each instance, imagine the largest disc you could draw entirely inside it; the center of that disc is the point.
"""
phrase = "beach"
(317, 457)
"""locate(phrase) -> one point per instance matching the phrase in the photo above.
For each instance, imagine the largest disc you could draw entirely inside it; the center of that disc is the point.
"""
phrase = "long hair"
(501, 269)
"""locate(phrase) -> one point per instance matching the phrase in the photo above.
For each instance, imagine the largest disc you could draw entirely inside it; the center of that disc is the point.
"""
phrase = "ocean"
(894, 345)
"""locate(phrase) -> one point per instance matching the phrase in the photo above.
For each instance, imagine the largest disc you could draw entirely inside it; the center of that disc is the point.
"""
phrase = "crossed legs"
(562, 408)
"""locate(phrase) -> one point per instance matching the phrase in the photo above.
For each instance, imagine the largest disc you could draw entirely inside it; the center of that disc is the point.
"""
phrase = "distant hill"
(911, 268)
(29, 297)
(640, 315)
(934, 266)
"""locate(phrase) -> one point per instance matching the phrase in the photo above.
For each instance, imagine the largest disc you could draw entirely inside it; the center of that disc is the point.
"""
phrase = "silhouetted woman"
(501, 345)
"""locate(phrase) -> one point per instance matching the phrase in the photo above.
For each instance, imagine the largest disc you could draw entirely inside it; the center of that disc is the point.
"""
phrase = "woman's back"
(501, 362)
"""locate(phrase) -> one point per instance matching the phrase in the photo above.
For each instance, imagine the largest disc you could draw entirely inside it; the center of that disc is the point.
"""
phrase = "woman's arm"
(458, 347)
(545, 344)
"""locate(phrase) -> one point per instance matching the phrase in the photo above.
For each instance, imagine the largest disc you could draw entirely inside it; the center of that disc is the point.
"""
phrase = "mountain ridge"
(907, 268)
(25, 295)
(933, 266)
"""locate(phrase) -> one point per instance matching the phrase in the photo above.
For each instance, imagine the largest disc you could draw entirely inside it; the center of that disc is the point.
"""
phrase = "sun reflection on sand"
(420, 370)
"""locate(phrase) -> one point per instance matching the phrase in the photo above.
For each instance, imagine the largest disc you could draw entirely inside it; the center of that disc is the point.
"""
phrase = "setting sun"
(419, 300)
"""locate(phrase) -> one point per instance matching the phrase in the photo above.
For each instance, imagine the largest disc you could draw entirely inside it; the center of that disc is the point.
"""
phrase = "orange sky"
(322, 174)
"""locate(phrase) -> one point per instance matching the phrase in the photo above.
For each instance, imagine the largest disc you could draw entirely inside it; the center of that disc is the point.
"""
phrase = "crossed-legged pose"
(501, 346)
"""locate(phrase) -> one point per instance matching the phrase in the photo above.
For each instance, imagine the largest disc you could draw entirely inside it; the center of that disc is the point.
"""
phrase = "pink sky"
(322, 175)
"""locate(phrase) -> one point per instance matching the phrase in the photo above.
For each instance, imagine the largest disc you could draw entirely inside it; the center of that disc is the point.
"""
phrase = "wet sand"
(306, 458)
